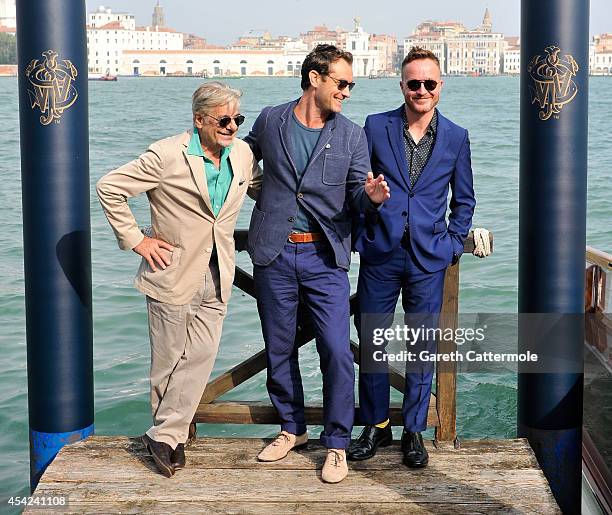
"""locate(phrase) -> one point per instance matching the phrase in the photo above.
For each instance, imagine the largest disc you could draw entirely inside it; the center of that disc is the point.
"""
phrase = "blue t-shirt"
(303, 139)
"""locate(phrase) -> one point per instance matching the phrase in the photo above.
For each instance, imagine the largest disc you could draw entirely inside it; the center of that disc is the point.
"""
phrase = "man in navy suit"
(316, 171)
(407, 245)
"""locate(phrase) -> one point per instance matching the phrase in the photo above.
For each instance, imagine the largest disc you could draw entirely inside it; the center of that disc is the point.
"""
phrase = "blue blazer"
(423, 207)
(331, 186)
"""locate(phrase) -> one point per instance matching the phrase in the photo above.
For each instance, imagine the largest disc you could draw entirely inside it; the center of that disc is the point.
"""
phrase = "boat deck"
(116, 475)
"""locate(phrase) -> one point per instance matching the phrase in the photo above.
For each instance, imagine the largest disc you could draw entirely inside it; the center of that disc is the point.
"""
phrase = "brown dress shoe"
(178, 457)
(335, 468)
(161, 452)
(281, 445)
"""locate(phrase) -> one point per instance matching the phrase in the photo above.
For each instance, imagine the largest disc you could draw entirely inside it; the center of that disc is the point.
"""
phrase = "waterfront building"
(8, 16)
(511, 61)
(475, 52)
(386, 48)
(365, 59)
(213, 62)
(110, 35)
(320, 35)
(461, 51)
(439, 29)
(429, 41)
(600, 55)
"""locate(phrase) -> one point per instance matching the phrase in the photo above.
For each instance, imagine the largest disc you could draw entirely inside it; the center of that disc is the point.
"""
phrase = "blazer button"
(300, 195)
(209, 249)
(291, 219)
(404, 213)
(411, 195)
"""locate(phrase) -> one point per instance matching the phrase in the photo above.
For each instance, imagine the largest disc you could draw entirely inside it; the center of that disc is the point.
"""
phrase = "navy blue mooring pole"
(552, 233)
(52, 51)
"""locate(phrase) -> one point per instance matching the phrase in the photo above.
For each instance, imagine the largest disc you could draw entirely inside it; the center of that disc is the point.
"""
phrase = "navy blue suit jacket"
(331, 186)
(422, 207)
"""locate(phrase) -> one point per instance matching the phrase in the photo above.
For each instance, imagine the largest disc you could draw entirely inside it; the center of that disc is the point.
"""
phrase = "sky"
(222, 24)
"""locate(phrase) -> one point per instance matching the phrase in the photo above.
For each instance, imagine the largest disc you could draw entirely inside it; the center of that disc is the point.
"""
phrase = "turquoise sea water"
(128, 115)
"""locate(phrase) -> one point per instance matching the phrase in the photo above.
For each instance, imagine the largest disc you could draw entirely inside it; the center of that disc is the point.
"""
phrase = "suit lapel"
(285, 137)
(196, 164)
(395, 131)
(437, 152)
(237, 179)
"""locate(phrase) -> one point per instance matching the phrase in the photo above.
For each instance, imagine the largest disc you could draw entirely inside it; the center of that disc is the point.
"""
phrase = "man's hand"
(150, 249)
(377, 189)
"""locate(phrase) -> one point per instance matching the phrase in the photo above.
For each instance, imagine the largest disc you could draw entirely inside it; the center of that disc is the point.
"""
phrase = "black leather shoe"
(415, 454)
(178, 457)
(370, 439)
(161, 454)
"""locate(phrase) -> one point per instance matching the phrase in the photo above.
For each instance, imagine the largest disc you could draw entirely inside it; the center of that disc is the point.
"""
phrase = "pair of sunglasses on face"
(415, 85)
(342, 83)
(224, 121)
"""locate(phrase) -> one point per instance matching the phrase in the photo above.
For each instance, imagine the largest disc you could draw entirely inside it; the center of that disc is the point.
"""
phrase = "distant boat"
(99, 76)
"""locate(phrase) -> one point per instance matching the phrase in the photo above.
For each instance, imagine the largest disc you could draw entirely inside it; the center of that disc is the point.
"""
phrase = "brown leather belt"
(305, 237)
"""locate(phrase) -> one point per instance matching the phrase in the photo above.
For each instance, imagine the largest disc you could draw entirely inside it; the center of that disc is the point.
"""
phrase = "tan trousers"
(184, 344)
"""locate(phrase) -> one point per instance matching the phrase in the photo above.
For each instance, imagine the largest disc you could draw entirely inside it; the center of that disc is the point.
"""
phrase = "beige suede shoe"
(335, 468)
(281, 445)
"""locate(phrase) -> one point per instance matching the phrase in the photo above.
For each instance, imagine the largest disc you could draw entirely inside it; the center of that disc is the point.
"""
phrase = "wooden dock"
(117, 475)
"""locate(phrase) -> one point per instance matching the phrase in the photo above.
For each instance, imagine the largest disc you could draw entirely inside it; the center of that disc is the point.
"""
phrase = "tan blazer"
(181, 214)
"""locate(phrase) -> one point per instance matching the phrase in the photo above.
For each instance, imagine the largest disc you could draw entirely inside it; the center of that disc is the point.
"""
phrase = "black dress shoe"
(415, 454)
(370, 439)
(178, 457)
(161, 454)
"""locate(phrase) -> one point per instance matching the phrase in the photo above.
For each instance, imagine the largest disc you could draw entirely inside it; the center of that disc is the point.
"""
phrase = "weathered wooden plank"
(276, 486)
(446, 373)
(598, 257)
(116, 474)
(266, 508)
(255, 412)
(241, 454)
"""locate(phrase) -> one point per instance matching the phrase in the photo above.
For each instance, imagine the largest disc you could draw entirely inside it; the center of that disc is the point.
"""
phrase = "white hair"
(213, 94)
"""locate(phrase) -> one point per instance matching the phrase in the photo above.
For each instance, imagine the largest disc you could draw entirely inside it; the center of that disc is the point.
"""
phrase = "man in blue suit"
(407, 245)
(316, 171)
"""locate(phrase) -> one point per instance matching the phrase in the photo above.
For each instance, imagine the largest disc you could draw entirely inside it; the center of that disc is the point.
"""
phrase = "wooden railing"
(443, 405)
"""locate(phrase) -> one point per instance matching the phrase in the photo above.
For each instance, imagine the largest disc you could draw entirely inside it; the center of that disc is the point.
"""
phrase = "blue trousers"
(308, 271)
(378, 289)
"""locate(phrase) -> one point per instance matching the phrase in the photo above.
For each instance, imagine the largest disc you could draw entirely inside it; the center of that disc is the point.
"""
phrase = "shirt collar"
(431, 128)
(195, 147)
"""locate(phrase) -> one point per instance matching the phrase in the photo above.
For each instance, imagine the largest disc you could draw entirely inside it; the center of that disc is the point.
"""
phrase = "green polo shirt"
(218, 180)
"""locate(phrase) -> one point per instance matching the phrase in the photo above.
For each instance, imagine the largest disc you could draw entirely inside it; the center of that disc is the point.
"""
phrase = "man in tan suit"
(196, 183)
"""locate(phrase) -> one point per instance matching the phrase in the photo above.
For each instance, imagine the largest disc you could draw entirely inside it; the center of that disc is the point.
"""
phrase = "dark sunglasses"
(224, 121)
(415, 85)
(342, 83)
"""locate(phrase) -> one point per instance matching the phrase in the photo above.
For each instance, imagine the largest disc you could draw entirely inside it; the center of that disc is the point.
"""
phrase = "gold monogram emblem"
(53, 89)
(552, 85)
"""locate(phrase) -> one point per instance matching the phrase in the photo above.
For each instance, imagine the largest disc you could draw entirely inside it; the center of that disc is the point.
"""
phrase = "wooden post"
(446, 376)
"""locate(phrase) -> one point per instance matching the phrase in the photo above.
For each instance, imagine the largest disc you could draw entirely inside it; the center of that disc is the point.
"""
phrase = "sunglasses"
(224, 121)
(342, 83)
(415, 85)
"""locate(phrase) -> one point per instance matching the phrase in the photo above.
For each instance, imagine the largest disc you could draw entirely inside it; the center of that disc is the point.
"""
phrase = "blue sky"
(222, 23)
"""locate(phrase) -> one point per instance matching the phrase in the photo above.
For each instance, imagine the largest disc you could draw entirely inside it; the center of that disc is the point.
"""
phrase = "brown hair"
(319, 60)
(417, 52)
